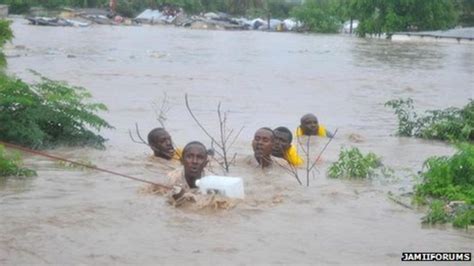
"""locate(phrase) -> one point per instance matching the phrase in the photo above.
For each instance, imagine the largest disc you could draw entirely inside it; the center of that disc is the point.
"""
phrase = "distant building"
(3, 11)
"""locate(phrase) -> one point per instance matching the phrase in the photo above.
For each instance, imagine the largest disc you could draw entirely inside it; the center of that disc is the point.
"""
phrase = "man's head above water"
(282, 143)
(262, 145)
(160, 142)
(309, 124)
(194, 159)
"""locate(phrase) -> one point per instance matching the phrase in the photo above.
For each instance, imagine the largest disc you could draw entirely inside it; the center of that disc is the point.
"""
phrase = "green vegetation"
(48, 114)
(318, 16)
(465, 9)
(449, 179)
(23, 6)
(377, 17)
(452, 124)
(6, 35)
(11, 165)
(436, 213)
(462, 216)
(353, 164)
(84, 164)
(278, 8)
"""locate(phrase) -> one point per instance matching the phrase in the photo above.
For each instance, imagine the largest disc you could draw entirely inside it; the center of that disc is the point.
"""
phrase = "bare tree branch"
(324, 148)
(236, 136)
(222, 147)
(162, 110)
(199, 123)
(291, 169)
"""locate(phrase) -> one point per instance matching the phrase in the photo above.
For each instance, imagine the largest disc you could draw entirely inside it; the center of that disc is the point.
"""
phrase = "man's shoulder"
(279, 161)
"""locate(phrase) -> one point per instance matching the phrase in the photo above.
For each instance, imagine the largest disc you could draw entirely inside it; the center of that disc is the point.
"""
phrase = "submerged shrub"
(464, 217)
(353, 164)
(450, 179)
(453, 123)
(436, 214)
(11, 165)
(47, 114)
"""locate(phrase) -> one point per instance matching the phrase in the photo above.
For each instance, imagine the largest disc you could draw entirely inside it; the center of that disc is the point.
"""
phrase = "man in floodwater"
(160, 142)
(194, 158)
(283, 148)
(309, 126)
(262, 145)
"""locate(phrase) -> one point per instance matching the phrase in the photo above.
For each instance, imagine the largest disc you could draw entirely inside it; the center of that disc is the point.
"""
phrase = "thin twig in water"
(162, 110)
(141, 140)
(306, 149)
(221, 146)
(199, 123)
(324, 148)
(291, 169)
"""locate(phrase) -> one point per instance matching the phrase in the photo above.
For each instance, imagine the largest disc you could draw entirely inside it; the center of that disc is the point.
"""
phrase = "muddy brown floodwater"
(73, 216)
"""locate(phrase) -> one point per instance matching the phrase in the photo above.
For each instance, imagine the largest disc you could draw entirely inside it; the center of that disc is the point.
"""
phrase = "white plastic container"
(232, 187)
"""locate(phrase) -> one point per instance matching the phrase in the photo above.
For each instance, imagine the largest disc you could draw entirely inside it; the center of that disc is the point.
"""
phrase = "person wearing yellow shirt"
(309, 126)
(283, 148)
(160, 142)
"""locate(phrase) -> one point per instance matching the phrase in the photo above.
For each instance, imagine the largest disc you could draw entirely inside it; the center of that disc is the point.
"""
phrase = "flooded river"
(74, 216)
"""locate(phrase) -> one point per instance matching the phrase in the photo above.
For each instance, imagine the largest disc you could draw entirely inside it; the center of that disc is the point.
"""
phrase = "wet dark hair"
(155, 132)
(306, 115)
(285, 130)
(193, 143)
(269, 129)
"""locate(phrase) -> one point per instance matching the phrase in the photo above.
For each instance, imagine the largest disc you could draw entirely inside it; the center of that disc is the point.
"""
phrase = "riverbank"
(461, 36)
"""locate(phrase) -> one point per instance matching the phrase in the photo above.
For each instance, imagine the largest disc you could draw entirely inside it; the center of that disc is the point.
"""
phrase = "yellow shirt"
(321, 131)
(177, 154)
(292, 156)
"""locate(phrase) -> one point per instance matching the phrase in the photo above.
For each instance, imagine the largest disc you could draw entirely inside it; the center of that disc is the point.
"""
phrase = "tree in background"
(465, 9)
(386, 16)
(318, 15)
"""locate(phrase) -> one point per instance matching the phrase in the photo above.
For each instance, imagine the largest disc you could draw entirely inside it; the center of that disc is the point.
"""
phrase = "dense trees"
(385, 16)
(378, 16)
(318, 16)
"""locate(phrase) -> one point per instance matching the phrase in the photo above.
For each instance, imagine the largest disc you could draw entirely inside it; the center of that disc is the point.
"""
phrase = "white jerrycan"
(232, 187)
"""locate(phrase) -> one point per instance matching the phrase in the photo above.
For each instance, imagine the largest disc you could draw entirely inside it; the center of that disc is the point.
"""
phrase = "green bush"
(464, 217)
(449, 178)
(17, 6)
(6, 35)
(11, 165)
(440, 212)
(453, 123)
(436, 214)
(353, 164)
(47, 114)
